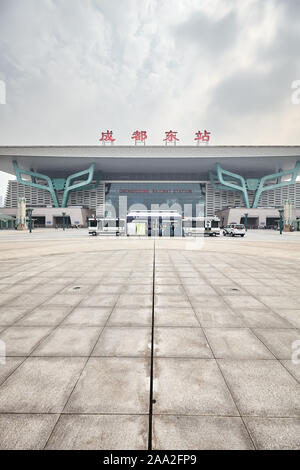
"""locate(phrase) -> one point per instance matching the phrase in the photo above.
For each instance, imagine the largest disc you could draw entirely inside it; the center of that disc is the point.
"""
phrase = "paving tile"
(138, 316)
(63, 281)
(108, 300)
(189, 282)
(293, 366)
(69, 341)
(117, 275)
(217, 316)
(275, 282)
(281, 302)
(64, 299)
(132, 301)
(100, 432)
(16, 289)
(163, 280)
(190, 387)
(9, 315)
(45, 316)
(261, 290)
(28, 300)
(279, 341)
(173, 316)
(230, 290)
(239, 343)
(6, 298)
(123, 341)
(77, 288)
(275, 433)
(21, 340)
(193, 290)
(8, 365)
(88, 316)
(112, 385)
(262, 388)
(138, 289)
(199, 433)
(243, 301)
(180, 342)
(107, 289)
(25, 431)
(139, 280)
(86, 280)
(179, 301)
(202, 290)
(247, 281)
(256, 318)
(292, 316)
(40, 385)
(208, 302)
(46, 289)
(169, 290)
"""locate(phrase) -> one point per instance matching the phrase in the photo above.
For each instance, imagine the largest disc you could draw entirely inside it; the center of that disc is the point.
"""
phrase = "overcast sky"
(73, 68)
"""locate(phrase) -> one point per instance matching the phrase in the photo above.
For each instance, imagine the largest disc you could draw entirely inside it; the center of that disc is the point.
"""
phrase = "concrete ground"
(76, 319)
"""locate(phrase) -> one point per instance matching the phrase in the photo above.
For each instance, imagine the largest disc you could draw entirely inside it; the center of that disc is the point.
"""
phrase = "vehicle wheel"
(232, 234)
(243, 235)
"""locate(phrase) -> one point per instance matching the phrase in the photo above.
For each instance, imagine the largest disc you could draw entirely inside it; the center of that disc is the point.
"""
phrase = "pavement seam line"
(151, 358)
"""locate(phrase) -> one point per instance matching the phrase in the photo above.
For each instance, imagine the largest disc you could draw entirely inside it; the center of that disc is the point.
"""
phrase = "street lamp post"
(29, 212)
(246, 221)
(281, 211)
(63, 220)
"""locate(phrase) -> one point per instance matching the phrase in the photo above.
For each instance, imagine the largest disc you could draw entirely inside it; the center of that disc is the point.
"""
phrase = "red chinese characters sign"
(139, 136)
(171, 137)
(202, 136)
(107, 137)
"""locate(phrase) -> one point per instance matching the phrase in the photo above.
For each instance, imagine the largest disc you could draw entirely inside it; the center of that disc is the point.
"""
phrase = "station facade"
(109, 181)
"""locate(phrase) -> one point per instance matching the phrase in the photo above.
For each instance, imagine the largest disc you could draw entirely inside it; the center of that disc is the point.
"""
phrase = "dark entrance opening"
(39, 221)
(252, 222)
(272, 222)
(58, 221)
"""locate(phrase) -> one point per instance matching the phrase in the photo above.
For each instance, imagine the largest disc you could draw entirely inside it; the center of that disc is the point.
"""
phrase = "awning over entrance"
(197, 161)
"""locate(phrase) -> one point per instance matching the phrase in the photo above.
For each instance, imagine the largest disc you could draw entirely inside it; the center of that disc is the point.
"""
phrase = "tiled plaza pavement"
(77, 330)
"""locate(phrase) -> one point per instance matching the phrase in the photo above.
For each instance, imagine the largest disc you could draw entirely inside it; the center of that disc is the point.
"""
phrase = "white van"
(233, 230)
(107, 226)
(209, 226)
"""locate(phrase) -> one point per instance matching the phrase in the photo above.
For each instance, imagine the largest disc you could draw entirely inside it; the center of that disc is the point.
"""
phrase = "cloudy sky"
(73, 68)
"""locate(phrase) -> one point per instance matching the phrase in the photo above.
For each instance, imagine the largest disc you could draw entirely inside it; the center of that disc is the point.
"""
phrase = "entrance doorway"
(58, 221)
(154, 223)
(39, 221)
(272, 222)
(252, 222)
(159, 227)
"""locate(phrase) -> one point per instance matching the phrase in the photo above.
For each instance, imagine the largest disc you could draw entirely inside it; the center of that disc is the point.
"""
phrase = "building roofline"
(99, 146)
(59, 160)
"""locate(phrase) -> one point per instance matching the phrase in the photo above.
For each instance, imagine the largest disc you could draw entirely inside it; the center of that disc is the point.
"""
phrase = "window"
(186, 198)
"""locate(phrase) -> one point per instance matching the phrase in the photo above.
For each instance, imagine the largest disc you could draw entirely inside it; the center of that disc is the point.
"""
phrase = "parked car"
(233, 230)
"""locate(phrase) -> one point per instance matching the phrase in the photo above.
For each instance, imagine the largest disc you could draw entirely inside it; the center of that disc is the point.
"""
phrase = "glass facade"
(186, 198)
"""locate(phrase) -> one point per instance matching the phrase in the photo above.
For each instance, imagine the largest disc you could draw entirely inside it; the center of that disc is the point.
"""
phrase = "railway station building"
(110, 180)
